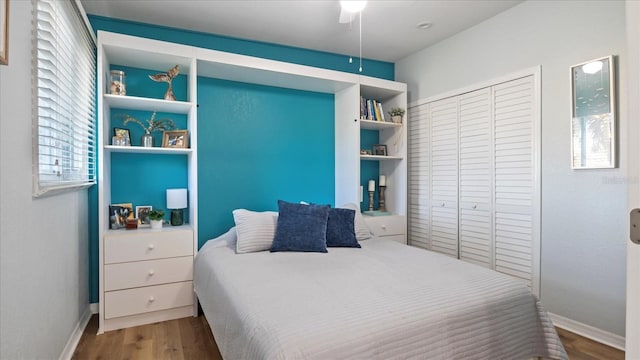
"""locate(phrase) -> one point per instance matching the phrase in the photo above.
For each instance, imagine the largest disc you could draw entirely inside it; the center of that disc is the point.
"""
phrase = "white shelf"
(146, 150)
(379, 157)
(147, 104)
(377, 125)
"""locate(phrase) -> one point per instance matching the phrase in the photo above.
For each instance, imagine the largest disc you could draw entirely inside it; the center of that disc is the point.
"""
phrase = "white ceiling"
(389, 30)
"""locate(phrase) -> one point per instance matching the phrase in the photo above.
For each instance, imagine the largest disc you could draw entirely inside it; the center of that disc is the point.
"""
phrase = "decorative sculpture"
(167, 77)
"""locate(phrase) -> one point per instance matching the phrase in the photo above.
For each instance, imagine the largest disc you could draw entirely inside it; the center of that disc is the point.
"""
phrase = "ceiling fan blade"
(345, 17)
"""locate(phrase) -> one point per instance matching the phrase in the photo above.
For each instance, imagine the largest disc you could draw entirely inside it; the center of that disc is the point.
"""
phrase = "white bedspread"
(384, 301)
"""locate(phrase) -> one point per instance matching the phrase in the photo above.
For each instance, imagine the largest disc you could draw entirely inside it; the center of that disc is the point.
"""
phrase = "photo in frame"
(380, 150)
(593, 114)
(4, 32)
(142, 213)
(175, 139)
(123, 133)
(118, 215)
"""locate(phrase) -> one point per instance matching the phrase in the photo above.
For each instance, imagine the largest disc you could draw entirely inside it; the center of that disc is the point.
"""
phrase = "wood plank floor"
(191, 338)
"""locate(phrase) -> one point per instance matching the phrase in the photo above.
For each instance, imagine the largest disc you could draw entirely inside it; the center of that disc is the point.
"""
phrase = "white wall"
(583, 212)
(43, 242)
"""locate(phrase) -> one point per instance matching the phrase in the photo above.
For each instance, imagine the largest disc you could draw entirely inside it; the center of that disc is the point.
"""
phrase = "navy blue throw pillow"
(340, 228)
(301, 228)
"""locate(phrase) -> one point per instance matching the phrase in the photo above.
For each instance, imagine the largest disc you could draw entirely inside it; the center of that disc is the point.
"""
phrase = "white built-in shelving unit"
(196, 62)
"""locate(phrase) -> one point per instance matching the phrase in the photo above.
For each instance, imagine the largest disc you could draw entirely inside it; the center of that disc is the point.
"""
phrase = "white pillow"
(256, 230)
(361, 228)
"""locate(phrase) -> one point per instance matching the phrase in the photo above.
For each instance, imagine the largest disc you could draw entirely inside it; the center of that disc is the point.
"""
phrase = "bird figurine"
(167, 77)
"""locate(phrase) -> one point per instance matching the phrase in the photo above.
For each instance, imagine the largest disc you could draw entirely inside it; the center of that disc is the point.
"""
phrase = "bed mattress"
(383, 301)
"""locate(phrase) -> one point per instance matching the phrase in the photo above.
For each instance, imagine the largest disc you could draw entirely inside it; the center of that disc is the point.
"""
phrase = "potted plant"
(396, 114)
(152, 125)
(156, 217)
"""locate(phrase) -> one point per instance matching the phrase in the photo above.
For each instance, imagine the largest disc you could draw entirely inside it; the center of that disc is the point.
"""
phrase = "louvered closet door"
(476, 232)
(514, 178)
(443, 116)
(418, 221)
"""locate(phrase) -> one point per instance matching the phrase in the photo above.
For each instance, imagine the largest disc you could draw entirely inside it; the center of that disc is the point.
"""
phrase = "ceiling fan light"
(353, 6)
(592, 67)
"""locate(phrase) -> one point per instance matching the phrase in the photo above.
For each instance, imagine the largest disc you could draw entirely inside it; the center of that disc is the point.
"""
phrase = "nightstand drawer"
(147, 245)
(386, 225)
(147, 273)
(147, 299)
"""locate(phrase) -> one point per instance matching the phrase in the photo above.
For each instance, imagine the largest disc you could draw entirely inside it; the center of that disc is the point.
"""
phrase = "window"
(64, 94)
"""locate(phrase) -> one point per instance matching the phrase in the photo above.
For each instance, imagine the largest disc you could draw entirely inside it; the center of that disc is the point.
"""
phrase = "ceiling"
(389, 31)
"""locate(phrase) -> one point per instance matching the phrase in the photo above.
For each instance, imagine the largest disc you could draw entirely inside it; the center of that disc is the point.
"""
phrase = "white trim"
(535, 70)
(588, 331)
(94, 308)
(76, 334)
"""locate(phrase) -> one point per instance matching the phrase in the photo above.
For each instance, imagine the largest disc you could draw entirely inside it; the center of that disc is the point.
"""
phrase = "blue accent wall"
(256, 144)
(285, 53)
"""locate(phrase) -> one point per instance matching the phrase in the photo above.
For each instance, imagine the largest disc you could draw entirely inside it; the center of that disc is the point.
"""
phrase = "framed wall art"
(593, 114)
(4, 32)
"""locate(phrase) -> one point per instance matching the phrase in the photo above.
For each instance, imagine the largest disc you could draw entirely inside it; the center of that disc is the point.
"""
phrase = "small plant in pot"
(396, 114)
(156, 217)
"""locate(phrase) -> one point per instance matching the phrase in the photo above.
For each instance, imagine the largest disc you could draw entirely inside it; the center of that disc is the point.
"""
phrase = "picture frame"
(123, 133)
(4, 32)
(593, 114)
(118, 215)
(175, 139)
(379, 150)
(142, 214)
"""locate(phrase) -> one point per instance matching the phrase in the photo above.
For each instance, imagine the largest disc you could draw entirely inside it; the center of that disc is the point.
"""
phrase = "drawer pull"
(151, 246)
(442, 205)
(151, 272)
(475, 206)
(151, 299)
(384, 227)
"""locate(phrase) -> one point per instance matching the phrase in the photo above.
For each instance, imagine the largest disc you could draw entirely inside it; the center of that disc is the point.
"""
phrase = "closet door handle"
(474, 206)
(442, 204)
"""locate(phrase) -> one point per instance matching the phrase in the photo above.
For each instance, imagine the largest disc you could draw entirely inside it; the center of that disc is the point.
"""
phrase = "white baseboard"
(588, 331)
(74, 339)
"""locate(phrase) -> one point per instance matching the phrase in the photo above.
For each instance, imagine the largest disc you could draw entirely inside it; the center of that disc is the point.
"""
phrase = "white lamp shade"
(176, 198)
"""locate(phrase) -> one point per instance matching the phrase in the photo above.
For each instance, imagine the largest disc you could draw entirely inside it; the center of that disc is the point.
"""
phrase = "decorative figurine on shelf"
(153, 125)
(167, 77)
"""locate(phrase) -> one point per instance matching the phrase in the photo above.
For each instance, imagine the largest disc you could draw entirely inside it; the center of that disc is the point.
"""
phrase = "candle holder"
(371, 200)
(382, 207)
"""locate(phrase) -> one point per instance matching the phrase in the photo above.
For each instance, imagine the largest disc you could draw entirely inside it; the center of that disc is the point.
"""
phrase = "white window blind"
(64, 92)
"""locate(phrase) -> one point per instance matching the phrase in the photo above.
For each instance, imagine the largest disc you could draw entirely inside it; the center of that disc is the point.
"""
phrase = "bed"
(382, 301)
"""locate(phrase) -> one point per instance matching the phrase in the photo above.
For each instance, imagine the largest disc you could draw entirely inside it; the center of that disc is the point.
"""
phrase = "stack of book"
(371, 110)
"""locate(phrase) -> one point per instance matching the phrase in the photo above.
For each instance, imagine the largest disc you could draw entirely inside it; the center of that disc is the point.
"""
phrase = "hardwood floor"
(191, 338)
(581, 348)
(182, 339)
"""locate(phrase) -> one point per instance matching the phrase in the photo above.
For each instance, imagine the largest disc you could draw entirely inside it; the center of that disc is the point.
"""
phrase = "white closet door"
(443, 115)
(418, 221)
(514, 178)
(476, 230)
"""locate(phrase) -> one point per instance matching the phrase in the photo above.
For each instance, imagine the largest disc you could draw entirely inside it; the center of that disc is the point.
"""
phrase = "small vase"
(156, 224)
(396, 119)
(146, 140)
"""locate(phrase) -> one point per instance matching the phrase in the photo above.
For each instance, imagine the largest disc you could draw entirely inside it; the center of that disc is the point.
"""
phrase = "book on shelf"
(371, 109)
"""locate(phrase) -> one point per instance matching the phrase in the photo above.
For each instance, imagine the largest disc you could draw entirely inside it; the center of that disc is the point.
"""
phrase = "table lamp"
(176, 201)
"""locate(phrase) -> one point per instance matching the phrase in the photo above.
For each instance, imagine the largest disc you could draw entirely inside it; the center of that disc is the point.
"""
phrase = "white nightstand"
(392, 227)
(148, 276)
